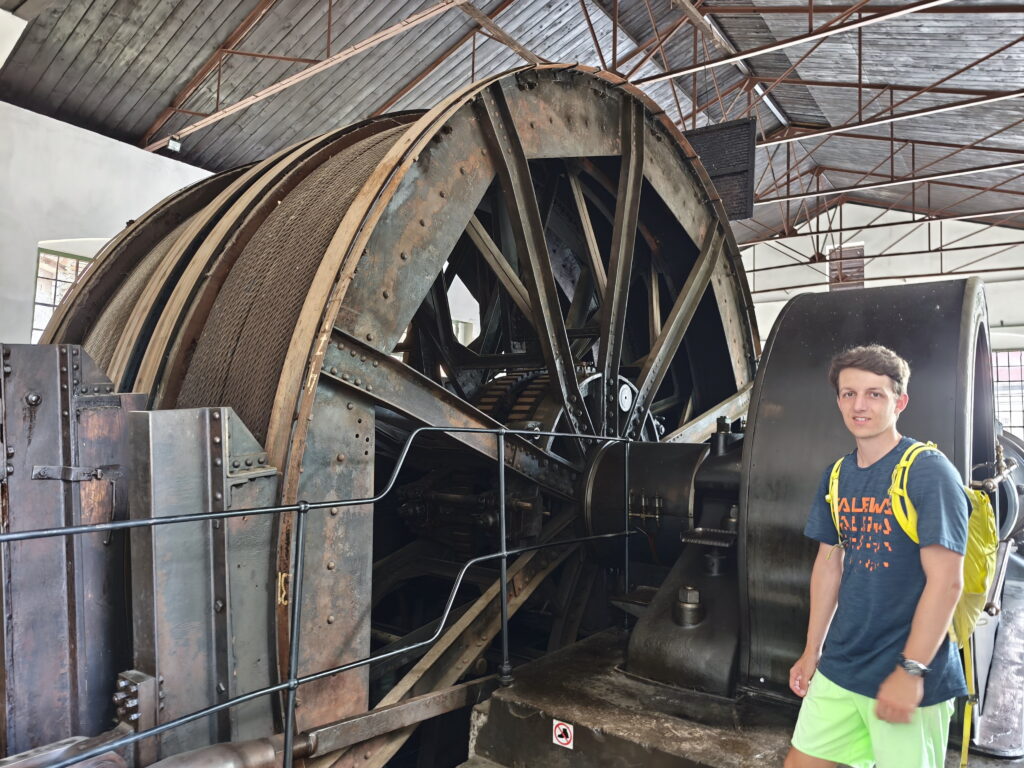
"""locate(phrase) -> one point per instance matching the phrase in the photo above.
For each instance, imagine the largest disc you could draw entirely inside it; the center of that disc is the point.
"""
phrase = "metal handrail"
(302, 508)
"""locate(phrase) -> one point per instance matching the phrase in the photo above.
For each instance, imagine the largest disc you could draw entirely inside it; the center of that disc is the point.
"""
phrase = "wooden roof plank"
(197, 32)
(123, 26)
(78, 46)
(266, 117)
(26, 60)
(285, 22)
(123, 64)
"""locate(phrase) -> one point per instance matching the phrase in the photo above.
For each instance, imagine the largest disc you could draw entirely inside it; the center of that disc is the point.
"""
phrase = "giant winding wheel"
(311, 293)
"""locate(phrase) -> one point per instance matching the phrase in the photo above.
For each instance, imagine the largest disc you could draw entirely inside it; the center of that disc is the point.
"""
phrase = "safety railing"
(302, 510)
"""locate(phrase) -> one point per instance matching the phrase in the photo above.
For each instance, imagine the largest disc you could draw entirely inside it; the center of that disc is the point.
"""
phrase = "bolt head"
(689, 595)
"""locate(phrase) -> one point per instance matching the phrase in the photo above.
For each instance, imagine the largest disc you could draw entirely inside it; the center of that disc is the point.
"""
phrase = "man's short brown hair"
(873, 358)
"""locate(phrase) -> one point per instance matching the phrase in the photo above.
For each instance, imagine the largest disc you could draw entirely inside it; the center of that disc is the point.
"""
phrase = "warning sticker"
(561, 734)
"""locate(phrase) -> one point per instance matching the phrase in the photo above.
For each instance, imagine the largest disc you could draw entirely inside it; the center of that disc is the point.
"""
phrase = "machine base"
(619, 719)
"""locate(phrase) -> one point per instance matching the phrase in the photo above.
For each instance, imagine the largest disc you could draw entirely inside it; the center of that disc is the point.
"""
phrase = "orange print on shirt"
(866, 523)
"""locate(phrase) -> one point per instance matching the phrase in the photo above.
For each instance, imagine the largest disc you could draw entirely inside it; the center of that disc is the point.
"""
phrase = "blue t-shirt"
(882, 574)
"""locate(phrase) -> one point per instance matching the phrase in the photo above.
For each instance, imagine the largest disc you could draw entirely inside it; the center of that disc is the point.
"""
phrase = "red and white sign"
(562, 734)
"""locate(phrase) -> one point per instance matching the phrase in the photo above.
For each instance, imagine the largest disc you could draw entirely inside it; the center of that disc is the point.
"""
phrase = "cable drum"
(312, 293)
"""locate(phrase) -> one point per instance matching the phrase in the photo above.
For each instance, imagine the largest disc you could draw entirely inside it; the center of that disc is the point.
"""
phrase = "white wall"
(58, 181)
(1004, 289)
(11, 28)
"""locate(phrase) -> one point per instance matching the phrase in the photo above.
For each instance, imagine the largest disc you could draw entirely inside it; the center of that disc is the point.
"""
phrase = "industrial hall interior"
(511, 383)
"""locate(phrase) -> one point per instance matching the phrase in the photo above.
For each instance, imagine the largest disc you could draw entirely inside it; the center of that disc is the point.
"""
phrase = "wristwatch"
(915, 668)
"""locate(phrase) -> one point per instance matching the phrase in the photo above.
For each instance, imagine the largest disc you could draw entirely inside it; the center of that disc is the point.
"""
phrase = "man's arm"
(901, 692)
(825, 578)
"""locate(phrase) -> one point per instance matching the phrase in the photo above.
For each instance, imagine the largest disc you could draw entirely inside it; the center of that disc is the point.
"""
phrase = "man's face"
(868, 403)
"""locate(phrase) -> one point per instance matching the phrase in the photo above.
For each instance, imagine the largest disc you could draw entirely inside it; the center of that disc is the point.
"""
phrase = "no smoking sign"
(562, 734)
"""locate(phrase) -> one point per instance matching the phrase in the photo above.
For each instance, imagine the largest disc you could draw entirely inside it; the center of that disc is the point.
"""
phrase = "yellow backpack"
(979, 560)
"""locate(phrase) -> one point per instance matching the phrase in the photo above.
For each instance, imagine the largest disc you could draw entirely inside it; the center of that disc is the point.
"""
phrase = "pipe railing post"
(505, 670)
(625, 526)
(293, 634)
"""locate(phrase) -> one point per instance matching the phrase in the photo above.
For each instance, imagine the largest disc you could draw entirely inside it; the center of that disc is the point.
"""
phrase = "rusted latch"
(110, 472)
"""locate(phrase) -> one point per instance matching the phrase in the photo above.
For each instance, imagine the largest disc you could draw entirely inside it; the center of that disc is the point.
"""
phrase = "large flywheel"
(312, 294)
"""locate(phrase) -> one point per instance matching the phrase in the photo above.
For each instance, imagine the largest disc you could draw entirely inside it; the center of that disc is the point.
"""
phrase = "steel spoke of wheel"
(504, 271)
(620, 267)
(700, 428)
(593, 253)
(671, 336)
(654, 306)
(521, 202)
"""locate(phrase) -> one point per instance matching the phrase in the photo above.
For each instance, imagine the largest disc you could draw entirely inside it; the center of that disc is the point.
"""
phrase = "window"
(846, 268)
(1008, 372)
(56, 272)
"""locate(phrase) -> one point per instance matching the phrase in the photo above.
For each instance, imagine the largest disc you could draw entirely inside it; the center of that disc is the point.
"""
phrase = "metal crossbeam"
(361, 47)
(890, 183)
(828, 10)
(1003, 96)
(784, 44)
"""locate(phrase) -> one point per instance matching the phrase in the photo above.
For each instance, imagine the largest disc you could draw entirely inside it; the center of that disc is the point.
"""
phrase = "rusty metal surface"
(66, 463)
(332, 737)
(202, 592)
(51, 753)
(386, 381)
(187, 310)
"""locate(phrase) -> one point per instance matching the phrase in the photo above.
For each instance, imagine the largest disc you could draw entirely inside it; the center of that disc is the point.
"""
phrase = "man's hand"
(898, 696)
(800, 674)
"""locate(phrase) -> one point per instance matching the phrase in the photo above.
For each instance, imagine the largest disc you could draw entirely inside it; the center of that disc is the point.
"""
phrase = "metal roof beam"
(821, 32)
(315, 69)
(499, 34)
(711, 30)
(875, 86)
(1002, 96)
(858, 228)
(211, 64)
(891, 183)
(827, 10)
(429, 69)
(930, 143)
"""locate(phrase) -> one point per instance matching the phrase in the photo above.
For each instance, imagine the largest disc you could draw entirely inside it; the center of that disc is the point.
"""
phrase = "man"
(878, 674)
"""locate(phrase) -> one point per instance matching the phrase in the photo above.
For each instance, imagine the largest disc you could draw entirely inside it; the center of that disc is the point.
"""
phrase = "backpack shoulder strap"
(902, 507)
(832, 497)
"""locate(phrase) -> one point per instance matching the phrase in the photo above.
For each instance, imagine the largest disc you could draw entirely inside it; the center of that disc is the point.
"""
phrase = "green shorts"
(839, 725)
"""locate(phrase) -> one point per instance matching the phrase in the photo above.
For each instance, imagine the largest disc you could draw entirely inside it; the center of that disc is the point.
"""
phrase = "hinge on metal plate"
(77, 474)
